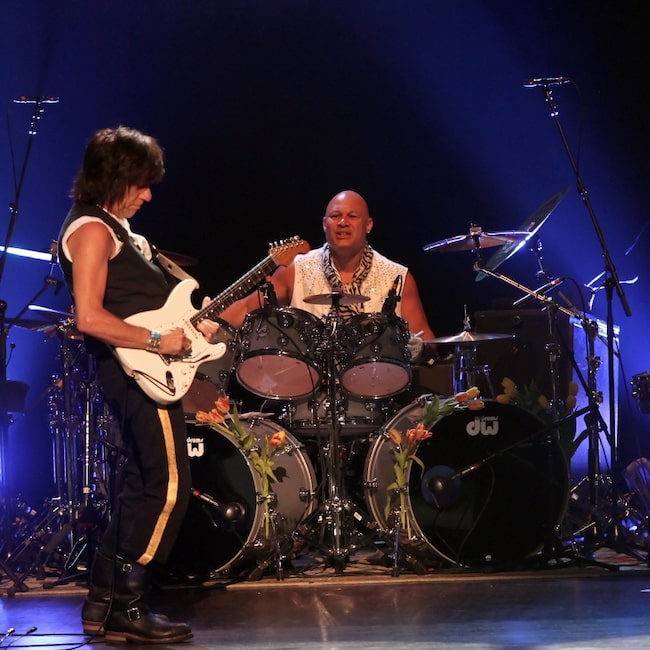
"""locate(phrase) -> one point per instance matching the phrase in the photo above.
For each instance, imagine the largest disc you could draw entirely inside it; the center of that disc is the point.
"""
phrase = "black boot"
(129, 618)
(94, 612)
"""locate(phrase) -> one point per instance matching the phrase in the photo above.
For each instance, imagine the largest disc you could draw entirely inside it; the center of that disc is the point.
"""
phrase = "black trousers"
(153, 483)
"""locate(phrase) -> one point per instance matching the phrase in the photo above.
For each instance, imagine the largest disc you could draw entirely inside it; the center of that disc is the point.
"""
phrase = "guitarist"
(112, 274)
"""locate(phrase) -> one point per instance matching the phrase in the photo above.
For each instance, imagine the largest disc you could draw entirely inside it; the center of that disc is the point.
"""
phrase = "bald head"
(348, 200)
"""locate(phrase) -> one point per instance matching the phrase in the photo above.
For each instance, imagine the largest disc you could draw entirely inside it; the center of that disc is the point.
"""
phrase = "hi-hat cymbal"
(335, 296)
(179, 258)
(54, 314)
(469, 338)
(532, 225)
(476, 239)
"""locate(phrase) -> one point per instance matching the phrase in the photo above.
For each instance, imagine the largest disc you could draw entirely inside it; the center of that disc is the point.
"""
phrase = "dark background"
(267, 108)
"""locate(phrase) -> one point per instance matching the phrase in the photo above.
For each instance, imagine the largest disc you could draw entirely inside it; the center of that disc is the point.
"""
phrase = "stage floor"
(368, 605)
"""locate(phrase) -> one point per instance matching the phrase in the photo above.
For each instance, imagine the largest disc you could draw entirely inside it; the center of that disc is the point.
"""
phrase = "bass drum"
(214, 542)
(490, 492)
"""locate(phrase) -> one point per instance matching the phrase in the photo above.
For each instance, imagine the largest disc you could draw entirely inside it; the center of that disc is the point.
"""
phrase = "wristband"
(154, 341)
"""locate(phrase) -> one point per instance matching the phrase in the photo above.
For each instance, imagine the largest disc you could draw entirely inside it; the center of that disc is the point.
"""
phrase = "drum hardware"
(612, 537)
(641, 391)
(66, 532)
(334, 527)
(466, 367)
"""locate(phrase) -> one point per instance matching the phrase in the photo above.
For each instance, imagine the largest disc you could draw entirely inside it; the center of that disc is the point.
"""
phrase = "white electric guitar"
(167, 378)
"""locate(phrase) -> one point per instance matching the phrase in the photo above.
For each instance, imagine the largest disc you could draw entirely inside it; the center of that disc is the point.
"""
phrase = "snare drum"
(279, 353)
(377, 356)
(209, 542)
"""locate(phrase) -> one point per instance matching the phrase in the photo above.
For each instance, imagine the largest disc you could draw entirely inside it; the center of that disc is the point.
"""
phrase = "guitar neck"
(237, 290)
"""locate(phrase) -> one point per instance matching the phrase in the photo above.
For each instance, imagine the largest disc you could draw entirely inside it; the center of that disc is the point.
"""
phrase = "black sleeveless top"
(133, 284)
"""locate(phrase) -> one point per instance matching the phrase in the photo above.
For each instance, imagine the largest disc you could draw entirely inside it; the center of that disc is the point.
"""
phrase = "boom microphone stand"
(612, 536)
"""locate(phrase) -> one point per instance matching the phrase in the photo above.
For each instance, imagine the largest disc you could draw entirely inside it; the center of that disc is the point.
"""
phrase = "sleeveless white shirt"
(310, 280)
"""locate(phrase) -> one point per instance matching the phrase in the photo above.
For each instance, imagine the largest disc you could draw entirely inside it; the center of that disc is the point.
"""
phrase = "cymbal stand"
(466, 369)
(612, 537)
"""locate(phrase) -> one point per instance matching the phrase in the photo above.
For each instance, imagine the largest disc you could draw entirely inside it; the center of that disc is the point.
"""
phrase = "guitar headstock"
(285, 250)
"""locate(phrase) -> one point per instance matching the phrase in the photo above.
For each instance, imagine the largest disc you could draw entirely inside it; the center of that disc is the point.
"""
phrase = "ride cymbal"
(336, 296)
(469, 338)
(476, 239)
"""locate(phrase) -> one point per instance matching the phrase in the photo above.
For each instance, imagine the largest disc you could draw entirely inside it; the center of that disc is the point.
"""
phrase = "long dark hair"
(116, 159)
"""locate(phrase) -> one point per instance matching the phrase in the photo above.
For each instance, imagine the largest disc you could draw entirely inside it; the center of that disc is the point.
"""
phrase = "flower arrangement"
(226, 419)
(407, 444)
(534, 401)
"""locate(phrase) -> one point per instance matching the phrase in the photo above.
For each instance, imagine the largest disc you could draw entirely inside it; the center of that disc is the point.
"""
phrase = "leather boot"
(94, 612)
(129, 618)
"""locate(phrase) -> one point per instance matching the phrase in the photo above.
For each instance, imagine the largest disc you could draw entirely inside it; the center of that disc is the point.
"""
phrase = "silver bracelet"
(154, 341)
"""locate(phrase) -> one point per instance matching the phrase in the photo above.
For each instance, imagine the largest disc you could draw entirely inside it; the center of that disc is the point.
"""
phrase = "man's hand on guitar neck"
(207, 327)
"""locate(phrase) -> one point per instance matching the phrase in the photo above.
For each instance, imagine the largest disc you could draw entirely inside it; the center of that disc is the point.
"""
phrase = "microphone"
(36, 99)
(390, 304)
(543, 290)
(231, 511)
(546, 81)
(441, 486)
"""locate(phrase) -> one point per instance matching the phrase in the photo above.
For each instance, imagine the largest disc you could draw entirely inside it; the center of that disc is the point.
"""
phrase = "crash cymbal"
(469, 338)
(532, 225)
(329, 298)
(52, 314)
(476, 239)
(179, 258)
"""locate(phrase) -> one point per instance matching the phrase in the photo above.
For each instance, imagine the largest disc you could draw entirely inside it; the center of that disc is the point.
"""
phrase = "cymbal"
(53, 314)
(469, 338)
(179, 258)
(532, 225)
(27, 323)
(476, 239)
(329, 298)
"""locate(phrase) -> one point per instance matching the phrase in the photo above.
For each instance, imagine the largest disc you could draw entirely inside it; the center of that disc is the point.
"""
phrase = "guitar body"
(166, 379)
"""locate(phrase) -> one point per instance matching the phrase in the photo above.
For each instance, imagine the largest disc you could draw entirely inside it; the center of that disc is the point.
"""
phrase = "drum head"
(491, 491)
(210, 543)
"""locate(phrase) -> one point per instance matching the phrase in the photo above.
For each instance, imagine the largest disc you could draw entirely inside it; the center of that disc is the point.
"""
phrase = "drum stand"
(338, 517)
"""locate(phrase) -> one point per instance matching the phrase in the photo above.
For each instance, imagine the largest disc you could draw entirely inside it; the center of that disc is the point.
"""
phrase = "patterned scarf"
(360, 274)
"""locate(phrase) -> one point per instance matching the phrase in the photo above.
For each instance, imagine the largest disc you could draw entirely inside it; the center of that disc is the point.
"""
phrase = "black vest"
(133, 284)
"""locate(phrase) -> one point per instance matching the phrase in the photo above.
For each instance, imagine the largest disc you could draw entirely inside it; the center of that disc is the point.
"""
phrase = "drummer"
(346, 264)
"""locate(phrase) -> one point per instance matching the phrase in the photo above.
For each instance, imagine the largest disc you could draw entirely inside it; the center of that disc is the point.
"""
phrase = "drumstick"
(420, 333)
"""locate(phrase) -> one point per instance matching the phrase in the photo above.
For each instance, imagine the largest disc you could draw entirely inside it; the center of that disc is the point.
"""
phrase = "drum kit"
(332, 387)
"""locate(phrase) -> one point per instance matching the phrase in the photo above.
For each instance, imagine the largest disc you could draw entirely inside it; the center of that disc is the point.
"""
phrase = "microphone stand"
(612, 536)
